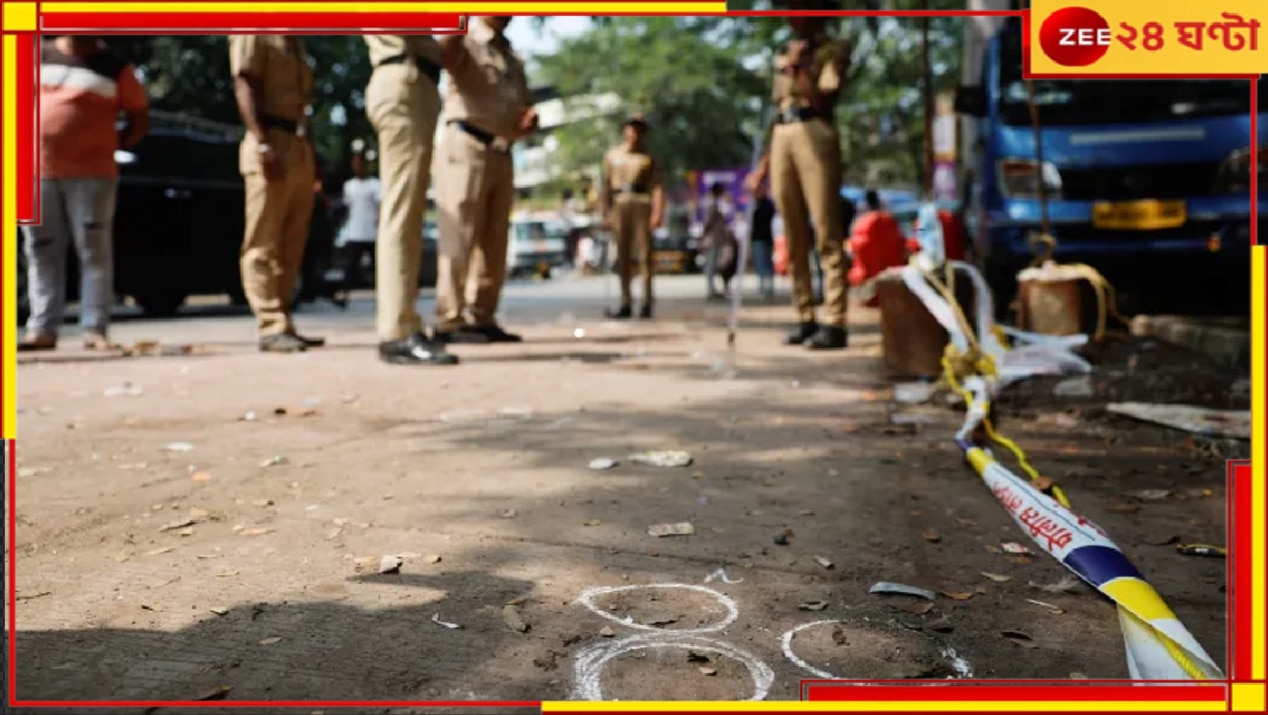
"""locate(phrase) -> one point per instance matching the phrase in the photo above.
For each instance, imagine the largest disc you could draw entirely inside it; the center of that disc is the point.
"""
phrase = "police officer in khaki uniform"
(402, 103)
(488, 107)
(273, 87)
(803, 162)
(632, 202)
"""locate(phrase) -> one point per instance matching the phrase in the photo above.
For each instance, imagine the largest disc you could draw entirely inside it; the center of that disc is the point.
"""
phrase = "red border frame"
(1239, 473)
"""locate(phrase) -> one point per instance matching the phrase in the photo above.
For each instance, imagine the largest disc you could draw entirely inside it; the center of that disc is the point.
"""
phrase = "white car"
(536, 247)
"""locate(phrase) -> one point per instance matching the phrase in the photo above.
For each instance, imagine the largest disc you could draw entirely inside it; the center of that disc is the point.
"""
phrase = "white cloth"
(362, 197)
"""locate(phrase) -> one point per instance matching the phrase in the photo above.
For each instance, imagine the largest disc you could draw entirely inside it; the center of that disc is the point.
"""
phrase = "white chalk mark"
(720, 575)
(786, 646)
(588, 667)
(959, 665)
(732, 611)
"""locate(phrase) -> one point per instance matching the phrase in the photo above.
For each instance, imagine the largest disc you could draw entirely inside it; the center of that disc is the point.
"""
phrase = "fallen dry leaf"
(200, 477)
(931, 536)
(1021, 639)
(390, 565)
(258, 531)
(270, 640)
(592, 522)
(959, 595)
(813, 605)
(606, 632)
(997, 578)
(824, 562)
(920, 608)
(708, 671)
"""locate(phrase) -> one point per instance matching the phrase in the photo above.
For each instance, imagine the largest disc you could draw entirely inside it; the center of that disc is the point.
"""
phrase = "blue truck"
(1147, 180)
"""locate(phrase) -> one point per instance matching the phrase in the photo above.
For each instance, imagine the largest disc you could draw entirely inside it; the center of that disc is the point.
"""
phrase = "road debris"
(390, 565)
(178, 524)
(959, 595)
(1202, 550)
(1197, 420)
(1074, 387)
(274, 461)
(200, 477)
(511, 617)
(1150, 494)
(914, 393)
(508, 514)
(1066, 584)
(812, 606)
(704, 670)
(591, 522)
(889, 588)
(1022, 639)
(682, 528)
(127, 389)
(178, 447)
(1055, 610)
(1012, 547)
(824, 562)
(451, 626)
(997, 578)
(432, 558)
(670, 458)
(785, 537)
(271, 640)
(601, 463)
(931, 536)
(607, 632)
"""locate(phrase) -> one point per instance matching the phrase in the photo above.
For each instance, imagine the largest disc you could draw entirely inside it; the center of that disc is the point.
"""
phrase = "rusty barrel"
(912, 341)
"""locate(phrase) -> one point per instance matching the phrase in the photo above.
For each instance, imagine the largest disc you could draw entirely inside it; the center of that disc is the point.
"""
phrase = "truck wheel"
(161, 302)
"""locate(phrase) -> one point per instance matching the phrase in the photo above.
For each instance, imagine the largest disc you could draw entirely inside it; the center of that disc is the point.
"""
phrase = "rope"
(1106, 296)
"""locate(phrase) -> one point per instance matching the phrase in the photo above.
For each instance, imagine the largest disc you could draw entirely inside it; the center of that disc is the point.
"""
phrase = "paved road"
(218, 519)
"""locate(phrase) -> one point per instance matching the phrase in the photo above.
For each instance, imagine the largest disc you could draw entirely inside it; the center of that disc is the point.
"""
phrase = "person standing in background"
(762, 241)
(83, 89)
(717, 227)
(362, 196)
(488, 107)
(803, 161)
(402, 102)
(633, 203)
(273, 86)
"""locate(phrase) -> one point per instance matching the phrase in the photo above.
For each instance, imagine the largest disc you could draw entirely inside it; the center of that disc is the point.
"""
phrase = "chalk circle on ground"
(589, 664)
(953, 662)
(589, 596)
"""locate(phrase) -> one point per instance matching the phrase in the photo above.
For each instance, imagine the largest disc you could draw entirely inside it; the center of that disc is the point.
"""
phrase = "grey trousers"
(82, 211)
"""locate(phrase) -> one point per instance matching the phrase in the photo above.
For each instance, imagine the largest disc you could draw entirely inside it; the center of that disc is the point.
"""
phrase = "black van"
(179, 222)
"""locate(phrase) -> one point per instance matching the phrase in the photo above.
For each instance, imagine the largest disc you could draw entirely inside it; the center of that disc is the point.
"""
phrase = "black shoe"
(496, 334)
(801, 333)
(415, 350)
(282, 343)
(623, 314)
(829, 337)
(310, 341)
(645, 313)
(465, 334)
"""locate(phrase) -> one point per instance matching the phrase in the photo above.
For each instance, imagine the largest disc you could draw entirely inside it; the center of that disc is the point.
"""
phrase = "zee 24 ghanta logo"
(1078, 36)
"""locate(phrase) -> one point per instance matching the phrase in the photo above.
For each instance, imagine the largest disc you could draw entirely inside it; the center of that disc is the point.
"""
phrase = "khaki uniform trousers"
(277, 218)
(632, 224)
(805, 175)
(475, 189)
(403, 105)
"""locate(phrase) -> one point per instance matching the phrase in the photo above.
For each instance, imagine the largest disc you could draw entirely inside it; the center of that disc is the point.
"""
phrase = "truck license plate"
(1147, 215)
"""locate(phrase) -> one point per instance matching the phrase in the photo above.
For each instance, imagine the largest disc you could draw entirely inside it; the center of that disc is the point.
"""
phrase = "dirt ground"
(191, 523)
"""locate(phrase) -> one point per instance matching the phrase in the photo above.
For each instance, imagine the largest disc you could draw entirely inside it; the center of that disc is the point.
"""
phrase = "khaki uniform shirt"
(830, 61)
(488, 87)
(383, 47)
(279, 64)
(625, 170)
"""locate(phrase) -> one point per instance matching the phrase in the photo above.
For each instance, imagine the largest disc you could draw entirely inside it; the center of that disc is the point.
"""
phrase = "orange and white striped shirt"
(80, 101)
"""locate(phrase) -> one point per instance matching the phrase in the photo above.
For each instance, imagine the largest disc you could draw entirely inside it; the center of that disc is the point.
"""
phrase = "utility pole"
(927, 90)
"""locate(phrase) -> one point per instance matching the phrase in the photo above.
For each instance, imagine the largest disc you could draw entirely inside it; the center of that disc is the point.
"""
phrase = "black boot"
(623, 314)
(282, 343)
(829, 337)
(801, 333)
(415, 350)
(645, 313)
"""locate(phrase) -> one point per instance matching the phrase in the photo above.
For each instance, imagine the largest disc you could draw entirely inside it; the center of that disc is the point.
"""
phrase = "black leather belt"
(271, 122)
(793, 115)
(426, 66)
(491, 141)
(632, 189)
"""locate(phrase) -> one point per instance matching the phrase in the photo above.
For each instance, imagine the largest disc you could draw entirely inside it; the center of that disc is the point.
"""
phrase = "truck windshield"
(1082, 102)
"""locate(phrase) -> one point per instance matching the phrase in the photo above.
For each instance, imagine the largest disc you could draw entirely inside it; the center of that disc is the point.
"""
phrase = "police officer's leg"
(818, 160)
(643, 244)
(403, 107)
(790, 202)
(488, 260)
(623, 229)
(296, 224)
(261, 260)
(462, 212)
(90, 205)
(45, 248)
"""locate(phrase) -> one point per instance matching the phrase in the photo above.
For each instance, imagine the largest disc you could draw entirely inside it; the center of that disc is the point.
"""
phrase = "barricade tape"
(978, 365)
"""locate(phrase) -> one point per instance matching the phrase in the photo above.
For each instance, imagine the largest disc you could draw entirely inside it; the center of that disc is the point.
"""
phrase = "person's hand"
(271, 164)
(657, 221)
(798, 55)
(755, 179)
(528, 120)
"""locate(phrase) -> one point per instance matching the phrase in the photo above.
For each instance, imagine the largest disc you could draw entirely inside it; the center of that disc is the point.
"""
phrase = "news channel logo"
(1075, 36)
